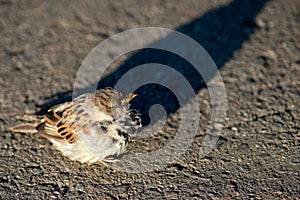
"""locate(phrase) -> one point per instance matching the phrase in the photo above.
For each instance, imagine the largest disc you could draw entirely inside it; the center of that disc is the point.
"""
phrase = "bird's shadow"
(221, 32)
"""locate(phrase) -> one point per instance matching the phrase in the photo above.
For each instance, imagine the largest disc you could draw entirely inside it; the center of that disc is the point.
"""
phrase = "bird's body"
(91, 127)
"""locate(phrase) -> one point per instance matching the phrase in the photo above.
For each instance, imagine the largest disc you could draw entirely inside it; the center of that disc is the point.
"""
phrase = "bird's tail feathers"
(30, 125)
(24, 128)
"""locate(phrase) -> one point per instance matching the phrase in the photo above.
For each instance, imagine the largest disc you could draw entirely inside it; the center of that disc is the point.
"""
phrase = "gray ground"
(256, 46)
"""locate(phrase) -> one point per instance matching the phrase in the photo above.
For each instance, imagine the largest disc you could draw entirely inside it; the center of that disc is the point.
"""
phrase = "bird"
(92, 128)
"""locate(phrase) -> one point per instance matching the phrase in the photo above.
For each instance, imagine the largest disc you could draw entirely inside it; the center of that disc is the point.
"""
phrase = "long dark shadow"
(221, 32)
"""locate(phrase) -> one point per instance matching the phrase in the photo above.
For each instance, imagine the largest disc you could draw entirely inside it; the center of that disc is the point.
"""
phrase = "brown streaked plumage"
(90, 128)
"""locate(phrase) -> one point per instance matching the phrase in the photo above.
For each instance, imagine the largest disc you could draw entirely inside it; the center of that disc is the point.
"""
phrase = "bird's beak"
(132, 96)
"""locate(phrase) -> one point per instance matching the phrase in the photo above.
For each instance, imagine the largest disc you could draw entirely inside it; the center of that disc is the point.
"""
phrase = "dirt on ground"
(255, 45)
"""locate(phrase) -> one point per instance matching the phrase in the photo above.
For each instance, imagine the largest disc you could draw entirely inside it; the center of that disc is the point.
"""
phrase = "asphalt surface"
(255, 44)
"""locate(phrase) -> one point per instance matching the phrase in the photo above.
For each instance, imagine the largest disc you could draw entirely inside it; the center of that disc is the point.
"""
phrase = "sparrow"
(94, 127)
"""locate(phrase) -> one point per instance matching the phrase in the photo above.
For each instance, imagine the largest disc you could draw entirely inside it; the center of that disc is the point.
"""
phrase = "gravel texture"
(254, 43)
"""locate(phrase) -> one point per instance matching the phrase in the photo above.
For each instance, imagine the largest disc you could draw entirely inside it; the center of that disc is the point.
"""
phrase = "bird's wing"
(55, 126)
(60, 123)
